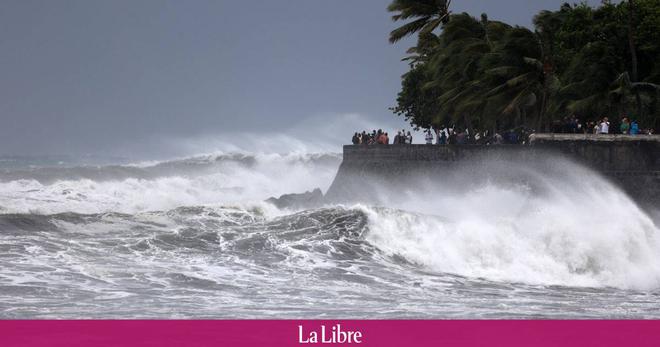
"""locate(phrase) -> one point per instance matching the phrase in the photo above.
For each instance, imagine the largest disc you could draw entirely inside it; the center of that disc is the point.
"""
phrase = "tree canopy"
(578, 60)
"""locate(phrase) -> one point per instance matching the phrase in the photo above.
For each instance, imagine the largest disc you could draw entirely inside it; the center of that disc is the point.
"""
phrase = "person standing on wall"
(604, 127)
(625, 126)
(429, 137)
(634, 128)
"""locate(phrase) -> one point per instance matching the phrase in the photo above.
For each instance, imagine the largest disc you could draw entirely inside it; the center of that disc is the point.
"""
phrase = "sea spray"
(560, 226)
(193, 238)
(212, 179)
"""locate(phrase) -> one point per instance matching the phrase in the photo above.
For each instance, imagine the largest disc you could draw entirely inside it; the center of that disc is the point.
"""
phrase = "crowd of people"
(442, 136)
(454, 136)
(380, 137)
(626, 126)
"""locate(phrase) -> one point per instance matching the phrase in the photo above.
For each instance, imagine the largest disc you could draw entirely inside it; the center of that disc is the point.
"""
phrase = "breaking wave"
(551, 224)
(193, 238)
(212, 179)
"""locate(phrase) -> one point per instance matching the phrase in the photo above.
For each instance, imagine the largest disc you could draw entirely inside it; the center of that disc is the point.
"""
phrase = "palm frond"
(408, 29)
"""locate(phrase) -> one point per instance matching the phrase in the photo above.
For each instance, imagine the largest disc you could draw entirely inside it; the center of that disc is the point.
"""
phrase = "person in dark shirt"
(397, 138)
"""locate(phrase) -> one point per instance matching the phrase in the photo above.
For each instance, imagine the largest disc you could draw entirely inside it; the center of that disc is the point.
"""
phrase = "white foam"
(566, 226)
(232, 182)
(579, 231)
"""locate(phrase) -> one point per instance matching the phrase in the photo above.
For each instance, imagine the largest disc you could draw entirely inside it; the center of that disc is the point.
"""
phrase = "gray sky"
(122, 77)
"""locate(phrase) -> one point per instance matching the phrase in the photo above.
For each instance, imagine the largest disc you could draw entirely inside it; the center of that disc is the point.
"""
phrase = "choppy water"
(192, 239)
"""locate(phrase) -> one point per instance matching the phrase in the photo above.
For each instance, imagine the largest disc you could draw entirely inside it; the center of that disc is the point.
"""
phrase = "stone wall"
(632, 162)
(605, 153)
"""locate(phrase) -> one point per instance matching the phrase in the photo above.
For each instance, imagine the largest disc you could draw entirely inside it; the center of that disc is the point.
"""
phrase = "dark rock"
(304, 200)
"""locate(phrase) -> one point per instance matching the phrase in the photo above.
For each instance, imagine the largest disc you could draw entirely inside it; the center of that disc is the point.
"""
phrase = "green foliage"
(427, 15)
(490, 75)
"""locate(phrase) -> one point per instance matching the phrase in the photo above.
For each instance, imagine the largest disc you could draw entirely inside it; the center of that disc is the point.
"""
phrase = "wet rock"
(305, 200)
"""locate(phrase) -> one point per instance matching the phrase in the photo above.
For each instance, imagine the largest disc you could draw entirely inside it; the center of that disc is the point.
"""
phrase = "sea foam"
(561, 226)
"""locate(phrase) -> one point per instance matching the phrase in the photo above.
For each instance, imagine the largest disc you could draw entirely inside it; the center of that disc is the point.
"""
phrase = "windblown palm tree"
(428, 45)
(508, 81)
(456, 69)
(459, 73)
(426, 16)
(644, 95)
(589, 80)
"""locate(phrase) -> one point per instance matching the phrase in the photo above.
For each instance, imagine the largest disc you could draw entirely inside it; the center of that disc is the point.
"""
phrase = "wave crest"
(212, 179)
(548, 243)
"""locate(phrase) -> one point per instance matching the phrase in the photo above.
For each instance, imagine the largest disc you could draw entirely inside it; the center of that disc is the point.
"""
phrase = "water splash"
(212, 179)
(554, 223)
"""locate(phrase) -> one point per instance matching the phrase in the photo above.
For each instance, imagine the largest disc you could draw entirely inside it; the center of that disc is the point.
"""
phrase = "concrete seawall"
(631, 162)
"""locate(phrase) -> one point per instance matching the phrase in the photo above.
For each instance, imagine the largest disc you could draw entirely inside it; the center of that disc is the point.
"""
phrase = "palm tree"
(459, 73)
(427, 15)
(547, 24)
(463, 43)
(514, 74)
(625, 92)
(633, 52)
(589, 79)
(427, 46)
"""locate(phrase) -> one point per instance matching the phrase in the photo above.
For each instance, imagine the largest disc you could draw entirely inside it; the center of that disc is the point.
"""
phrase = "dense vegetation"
(578, 61)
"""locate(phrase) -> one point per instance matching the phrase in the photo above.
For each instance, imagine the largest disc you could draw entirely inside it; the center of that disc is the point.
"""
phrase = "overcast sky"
(122, 77)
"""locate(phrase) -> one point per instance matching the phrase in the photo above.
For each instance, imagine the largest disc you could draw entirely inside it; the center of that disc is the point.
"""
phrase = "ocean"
(194, 238)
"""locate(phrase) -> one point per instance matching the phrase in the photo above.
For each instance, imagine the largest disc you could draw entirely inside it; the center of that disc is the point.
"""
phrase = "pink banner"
(239, 333)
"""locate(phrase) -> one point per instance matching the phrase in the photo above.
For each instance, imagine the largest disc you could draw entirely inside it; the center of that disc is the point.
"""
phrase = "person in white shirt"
(604, 127)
